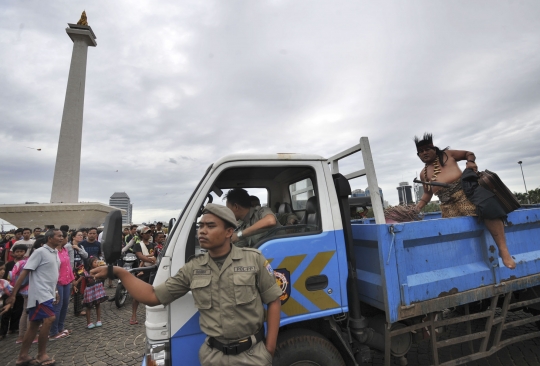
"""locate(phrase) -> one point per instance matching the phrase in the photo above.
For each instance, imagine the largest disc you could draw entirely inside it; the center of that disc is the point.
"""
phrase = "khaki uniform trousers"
(257, 355)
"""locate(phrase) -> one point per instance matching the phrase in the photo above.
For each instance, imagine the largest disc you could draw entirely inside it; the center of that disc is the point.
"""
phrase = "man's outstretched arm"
(138, 289)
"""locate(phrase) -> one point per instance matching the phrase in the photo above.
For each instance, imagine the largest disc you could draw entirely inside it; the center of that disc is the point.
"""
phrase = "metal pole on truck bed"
(369, 166)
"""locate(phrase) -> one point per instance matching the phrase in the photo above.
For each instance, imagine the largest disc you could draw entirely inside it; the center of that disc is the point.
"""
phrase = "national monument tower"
(65, 188)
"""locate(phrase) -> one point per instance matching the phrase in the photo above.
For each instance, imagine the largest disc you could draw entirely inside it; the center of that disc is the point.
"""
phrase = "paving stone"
(118, 343)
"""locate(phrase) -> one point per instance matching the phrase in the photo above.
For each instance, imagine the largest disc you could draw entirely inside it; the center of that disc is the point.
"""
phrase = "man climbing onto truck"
(441, 167)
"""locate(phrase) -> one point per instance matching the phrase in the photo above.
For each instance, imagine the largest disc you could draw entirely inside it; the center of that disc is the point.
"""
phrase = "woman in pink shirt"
(63, 293)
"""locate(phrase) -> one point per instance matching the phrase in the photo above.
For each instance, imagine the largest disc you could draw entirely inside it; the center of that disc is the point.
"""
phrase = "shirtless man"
(441, 166)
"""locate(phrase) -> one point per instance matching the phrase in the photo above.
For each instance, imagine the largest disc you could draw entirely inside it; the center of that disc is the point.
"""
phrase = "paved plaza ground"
(119, 343)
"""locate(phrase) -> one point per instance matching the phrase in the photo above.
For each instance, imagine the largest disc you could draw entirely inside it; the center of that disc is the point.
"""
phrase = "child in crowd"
(5, 287)
(94, 294)
(10, 320)
(23, 291)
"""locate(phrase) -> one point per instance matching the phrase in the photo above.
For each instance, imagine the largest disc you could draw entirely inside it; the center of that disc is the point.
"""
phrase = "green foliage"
(431, 207)
(534, 196)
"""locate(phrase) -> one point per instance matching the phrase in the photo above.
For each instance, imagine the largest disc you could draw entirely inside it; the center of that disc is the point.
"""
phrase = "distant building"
(121, 200)
(405, 193)
(418, 191)
(365, 193)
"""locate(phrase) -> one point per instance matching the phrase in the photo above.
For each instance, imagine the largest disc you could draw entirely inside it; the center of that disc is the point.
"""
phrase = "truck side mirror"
(112, 237)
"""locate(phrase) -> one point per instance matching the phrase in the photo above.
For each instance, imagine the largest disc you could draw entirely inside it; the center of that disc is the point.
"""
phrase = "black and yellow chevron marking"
(319, 298)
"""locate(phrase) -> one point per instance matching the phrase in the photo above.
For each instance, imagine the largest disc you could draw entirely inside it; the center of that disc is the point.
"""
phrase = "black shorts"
(490, 209)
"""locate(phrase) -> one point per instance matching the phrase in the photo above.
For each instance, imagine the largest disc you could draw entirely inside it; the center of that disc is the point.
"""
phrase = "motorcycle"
(121, 293)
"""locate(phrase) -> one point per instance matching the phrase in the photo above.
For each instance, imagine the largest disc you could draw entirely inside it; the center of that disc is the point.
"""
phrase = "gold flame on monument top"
(83, 20)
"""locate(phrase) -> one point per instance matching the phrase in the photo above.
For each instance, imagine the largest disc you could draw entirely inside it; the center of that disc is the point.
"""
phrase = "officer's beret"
(222, 212)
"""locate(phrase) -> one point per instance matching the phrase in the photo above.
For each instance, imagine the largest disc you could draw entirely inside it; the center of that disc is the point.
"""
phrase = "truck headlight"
(158, 354)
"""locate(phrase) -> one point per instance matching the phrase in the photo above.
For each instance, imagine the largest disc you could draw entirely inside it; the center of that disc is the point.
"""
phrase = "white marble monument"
(65, 207)
(65, 188)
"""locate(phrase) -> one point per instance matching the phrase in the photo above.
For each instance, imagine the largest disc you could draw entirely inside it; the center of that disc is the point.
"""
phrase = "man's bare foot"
(508, 260)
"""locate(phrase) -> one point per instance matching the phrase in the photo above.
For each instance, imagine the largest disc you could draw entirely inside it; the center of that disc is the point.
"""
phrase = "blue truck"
(351, 288)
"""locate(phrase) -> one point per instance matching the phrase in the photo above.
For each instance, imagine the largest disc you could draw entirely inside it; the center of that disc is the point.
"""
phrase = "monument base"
(76, 215)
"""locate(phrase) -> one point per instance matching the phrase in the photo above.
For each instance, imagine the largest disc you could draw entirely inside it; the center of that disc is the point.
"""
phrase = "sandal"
(133, 322)
(59, 336)
(29, 362)
(47, 362)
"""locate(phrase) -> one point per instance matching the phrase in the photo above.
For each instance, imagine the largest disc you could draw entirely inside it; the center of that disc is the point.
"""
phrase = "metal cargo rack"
(494, 327)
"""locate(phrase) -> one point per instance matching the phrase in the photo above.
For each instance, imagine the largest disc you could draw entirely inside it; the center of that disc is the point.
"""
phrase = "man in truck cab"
(253, 222)
(229, 286)
(441, 166)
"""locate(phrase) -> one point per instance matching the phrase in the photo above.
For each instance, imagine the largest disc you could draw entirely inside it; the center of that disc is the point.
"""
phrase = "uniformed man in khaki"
(254, 222)
(229, 286)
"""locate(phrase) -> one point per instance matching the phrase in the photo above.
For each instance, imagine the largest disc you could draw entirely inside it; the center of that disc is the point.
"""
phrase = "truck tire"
(304, 347)
(120, 295)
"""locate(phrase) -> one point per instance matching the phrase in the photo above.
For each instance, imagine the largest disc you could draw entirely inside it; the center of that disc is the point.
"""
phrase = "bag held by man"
(491, 181)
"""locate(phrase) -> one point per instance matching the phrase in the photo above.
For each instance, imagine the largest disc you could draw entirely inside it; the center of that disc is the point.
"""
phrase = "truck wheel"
(304, 347)
(120, 296)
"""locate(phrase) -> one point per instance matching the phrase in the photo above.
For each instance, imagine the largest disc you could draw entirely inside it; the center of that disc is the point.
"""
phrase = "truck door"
(304, 256)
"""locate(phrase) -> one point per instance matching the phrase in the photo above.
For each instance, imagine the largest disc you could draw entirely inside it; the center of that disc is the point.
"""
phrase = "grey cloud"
(351, 69)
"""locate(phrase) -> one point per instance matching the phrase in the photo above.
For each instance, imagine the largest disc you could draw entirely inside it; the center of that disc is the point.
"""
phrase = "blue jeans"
(60, 309)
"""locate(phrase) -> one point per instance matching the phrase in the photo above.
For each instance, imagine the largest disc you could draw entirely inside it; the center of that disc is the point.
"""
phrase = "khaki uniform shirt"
(255, 214)
(229, 300)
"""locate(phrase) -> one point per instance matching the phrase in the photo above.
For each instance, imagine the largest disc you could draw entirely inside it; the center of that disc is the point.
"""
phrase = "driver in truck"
(229, 286)
(441, 166)
(255, 222)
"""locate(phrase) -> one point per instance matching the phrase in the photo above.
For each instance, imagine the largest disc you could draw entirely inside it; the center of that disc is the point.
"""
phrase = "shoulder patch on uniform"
(251, 250)
(268, 267)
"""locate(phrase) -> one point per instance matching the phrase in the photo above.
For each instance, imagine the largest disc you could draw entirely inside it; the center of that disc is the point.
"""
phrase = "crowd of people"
(42, 271)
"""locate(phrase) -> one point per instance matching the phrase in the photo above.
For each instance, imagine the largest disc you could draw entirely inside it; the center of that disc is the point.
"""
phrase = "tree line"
(534, 196)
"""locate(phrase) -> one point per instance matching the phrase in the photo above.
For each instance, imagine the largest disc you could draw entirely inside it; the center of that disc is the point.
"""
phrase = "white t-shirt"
(44, 266)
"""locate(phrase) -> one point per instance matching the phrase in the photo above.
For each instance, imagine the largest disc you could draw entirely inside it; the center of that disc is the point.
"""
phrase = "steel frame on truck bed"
(493, 329)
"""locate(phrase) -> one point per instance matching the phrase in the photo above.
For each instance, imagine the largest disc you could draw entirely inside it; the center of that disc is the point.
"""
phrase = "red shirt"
(7, 250)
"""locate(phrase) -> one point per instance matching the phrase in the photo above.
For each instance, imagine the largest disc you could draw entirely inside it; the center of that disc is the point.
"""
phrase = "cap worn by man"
(222, 212)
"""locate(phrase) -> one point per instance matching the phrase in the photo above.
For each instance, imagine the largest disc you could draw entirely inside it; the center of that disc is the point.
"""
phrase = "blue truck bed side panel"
(406, 263)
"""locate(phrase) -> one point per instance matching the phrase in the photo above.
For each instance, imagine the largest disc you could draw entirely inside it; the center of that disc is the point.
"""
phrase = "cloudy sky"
(174, 85)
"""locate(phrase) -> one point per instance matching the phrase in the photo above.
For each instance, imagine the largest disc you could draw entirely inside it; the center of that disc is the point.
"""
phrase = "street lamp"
(523, 175)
